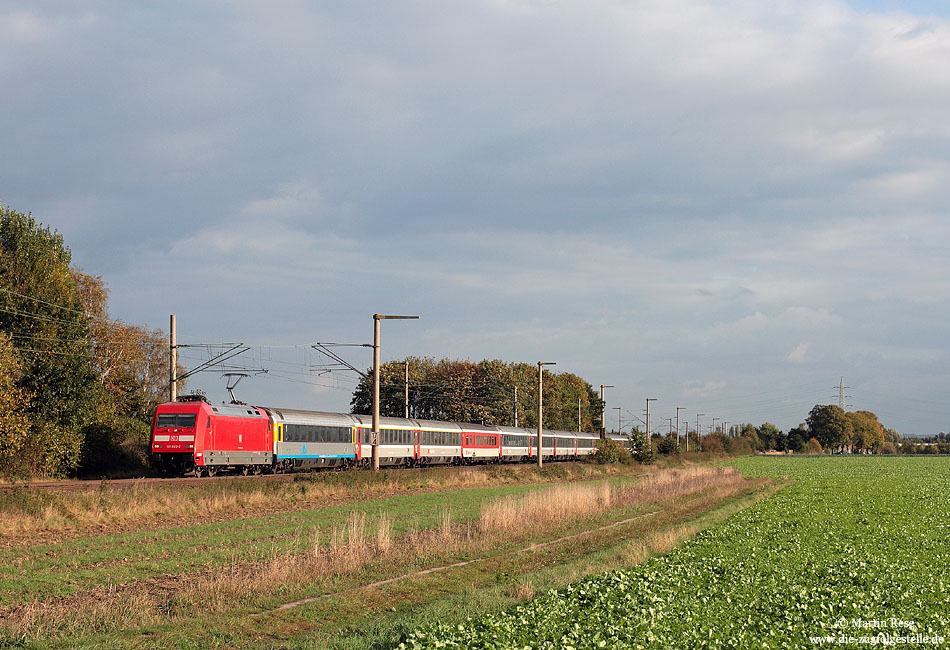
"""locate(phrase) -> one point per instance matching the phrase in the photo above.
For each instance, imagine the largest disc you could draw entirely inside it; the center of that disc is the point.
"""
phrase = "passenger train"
(193, 437)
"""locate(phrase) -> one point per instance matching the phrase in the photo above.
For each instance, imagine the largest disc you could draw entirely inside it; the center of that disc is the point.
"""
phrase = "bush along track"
(855, 549)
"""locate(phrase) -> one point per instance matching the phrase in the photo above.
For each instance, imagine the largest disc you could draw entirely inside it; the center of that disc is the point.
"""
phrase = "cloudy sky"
(727, 206)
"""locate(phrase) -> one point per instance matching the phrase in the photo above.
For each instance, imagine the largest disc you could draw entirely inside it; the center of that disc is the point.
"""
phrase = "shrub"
(116, 448)
(740, 446)
(814, 447)
(611, 451)
(668, 446)
(640, 448)
(712, 444)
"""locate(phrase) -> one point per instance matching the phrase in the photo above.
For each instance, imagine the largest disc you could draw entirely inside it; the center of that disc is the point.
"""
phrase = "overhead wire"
(51, 304)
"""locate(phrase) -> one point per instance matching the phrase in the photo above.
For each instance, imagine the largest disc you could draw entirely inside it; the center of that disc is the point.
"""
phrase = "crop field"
(854, 553)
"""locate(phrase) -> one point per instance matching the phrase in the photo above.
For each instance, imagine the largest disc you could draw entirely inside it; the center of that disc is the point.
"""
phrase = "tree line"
(937, 444)
(483, 393)
(77, 388)
(828, 428)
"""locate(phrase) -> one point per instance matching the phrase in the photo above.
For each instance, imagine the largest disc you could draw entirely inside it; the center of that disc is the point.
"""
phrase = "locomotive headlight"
(157, 446)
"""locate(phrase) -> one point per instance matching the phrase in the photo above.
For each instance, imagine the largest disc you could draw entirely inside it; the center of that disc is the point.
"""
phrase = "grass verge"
(338, 563)
(25, 512)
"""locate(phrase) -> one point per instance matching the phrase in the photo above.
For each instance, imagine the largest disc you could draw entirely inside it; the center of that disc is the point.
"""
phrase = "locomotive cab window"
(180, 420)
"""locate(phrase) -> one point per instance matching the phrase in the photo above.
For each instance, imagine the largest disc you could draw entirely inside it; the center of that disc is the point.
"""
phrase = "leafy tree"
(813, 447)
(14, 422)
(798, 438)
(830, 426)
(83, 380)
(867, 432)
(668, 445)
(572, 390)
(640, 447)
(130, 361)
(749, 432)
(41, 311)
(770, 436)
(463, 391)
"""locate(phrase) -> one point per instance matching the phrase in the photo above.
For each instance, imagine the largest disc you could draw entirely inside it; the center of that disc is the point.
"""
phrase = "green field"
(855, 552)
(64, 568)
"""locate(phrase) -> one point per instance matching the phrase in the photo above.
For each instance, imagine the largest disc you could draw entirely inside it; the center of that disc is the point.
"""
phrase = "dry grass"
(45, 511)
(523, 591)
(25, 511)
(359, 544)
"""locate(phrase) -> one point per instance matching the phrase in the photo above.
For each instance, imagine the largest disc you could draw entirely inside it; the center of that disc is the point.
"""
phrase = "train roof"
(518, 430)
(317, 417)
(197, 406)
(471, 426)
(439, 424)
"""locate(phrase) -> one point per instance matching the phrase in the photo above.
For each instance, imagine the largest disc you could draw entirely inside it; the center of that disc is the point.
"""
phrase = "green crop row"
(857, 548)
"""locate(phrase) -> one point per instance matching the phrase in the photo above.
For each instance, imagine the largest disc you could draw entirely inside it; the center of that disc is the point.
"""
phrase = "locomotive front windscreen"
(176, 420)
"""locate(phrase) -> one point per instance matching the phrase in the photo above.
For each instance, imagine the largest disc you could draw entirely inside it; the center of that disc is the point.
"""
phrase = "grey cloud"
(625, 185)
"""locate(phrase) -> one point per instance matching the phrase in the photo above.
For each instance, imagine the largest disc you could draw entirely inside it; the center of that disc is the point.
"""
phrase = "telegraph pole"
(516, 405)
(407, 389)
(649, 432)
(374, 435)
(678, 409)
(172, 361)
(578, 413)
(541, 365)
(619, 410)
(699, 434)
(603, 422)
